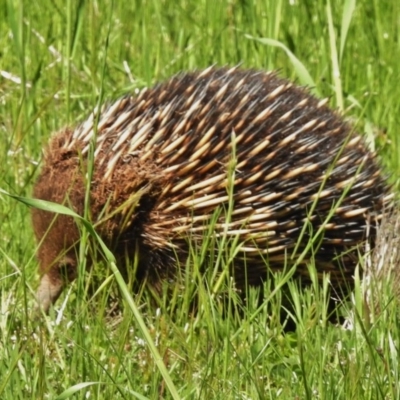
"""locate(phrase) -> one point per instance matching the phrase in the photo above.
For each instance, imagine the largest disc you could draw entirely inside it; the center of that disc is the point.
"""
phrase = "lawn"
(58, 60)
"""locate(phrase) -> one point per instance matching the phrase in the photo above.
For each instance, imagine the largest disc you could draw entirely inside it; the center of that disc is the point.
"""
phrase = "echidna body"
(264, 152)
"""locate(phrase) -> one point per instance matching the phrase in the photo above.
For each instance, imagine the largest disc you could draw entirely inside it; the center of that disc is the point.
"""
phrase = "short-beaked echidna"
(266, 153)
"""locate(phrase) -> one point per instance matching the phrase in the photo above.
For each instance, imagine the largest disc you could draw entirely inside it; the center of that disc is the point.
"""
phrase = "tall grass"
(58, 61)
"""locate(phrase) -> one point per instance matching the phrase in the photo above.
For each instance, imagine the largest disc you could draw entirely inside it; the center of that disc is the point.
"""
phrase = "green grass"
(57, 61)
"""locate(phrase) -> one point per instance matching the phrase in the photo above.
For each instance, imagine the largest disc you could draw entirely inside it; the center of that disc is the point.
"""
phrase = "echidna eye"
(67, 268)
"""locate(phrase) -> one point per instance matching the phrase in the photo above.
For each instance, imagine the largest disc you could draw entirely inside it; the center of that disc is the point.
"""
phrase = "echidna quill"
(167, 158)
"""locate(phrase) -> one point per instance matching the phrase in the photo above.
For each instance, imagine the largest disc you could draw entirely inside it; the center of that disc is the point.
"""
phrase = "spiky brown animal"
(167, 158)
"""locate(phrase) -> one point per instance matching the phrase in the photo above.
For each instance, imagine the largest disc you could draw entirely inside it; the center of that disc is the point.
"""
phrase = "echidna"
(277, 163)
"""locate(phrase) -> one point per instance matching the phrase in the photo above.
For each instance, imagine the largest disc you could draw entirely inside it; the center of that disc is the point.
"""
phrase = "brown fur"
(61, 181)
(134, 204)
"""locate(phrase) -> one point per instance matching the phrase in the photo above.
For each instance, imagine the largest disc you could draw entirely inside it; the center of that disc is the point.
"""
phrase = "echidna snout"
(161, 169)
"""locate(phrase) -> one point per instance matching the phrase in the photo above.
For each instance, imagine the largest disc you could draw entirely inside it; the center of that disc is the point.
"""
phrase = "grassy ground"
(57, 61)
